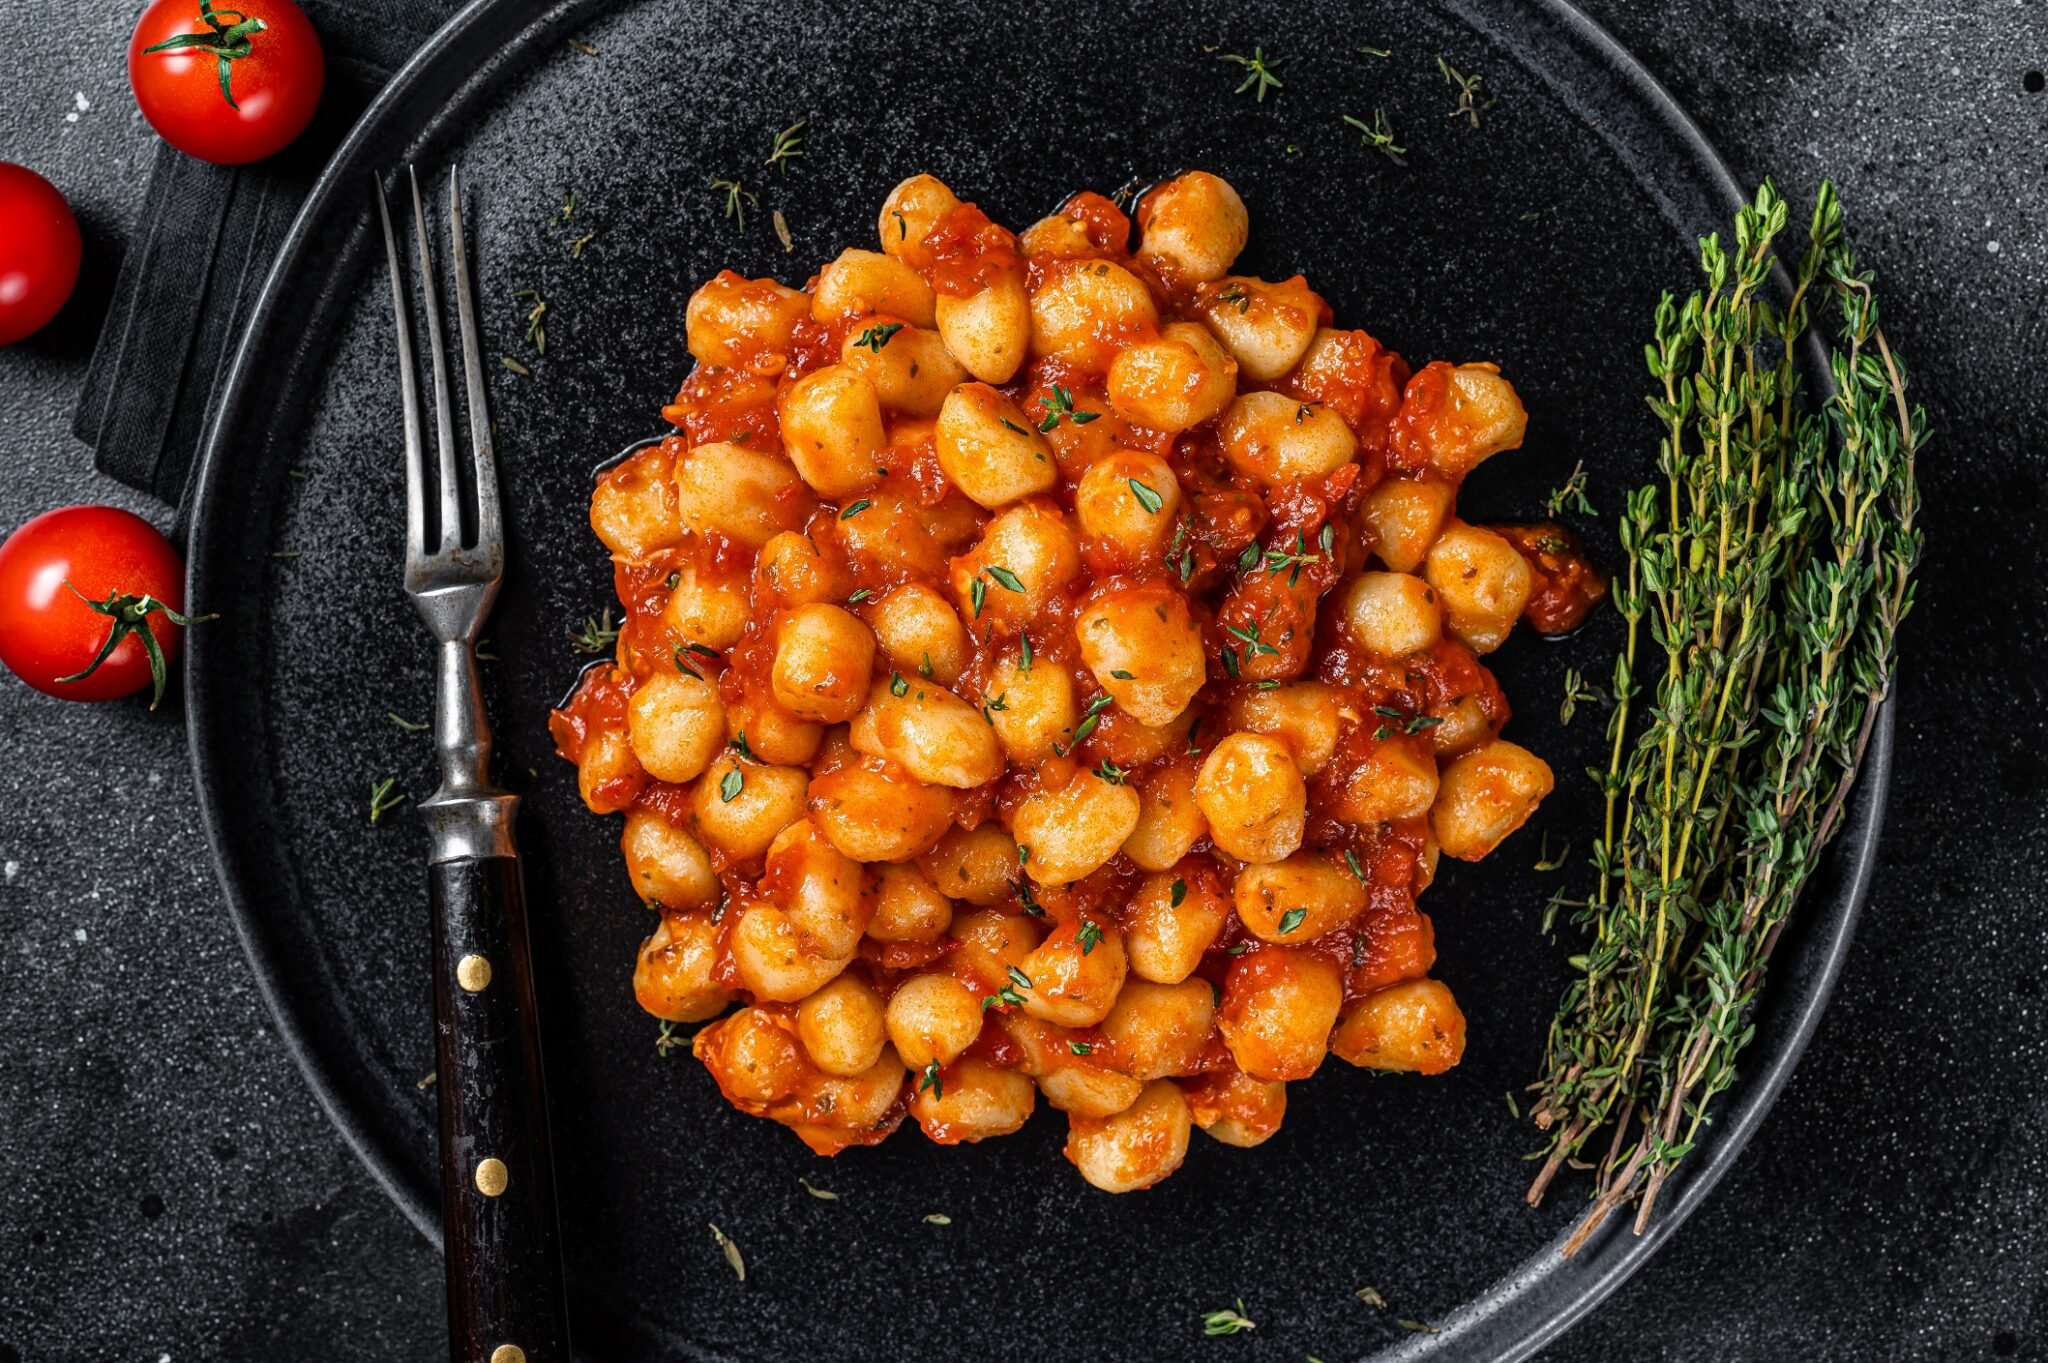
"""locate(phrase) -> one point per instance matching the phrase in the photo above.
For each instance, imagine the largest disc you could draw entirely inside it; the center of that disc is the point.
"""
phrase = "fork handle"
(501, 1239)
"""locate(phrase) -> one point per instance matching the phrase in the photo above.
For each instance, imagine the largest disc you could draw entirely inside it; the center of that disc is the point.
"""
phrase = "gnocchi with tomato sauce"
(1051, 668)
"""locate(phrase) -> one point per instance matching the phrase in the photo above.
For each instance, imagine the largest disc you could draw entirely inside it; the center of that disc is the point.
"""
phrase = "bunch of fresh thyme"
(1771, 569)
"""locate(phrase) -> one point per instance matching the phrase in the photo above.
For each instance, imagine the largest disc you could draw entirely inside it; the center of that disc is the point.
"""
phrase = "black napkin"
(204, 244)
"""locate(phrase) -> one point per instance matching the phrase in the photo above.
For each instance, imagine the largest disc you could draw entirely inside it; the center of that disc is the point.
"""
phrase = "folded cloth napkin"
(204, 243)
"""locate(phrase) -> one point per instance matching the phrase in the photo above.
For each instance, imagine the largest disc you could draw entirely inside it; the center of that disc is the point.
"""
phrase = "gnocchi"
(1051, 665)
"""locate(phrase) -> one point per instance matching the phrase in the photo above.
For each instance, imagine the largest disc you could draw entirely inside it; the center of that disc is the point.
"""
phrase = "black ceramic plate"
(1539, 239)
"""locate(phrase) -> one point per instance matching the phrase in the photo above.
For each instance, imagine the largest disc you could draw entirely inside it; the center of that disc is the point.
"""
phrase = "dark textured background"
(169, 1189)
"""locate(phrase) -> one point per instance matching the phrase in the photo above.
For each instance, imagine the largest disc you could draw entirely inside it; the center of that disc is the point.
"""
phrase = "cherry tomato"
(229, 86)
(39, 251)
(74, 580)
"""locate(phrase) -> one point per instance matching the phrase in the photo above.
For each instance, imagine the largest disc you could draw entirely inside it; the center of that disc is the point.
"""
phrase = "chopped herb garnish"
(822, 1194)
(1236, 297)
(1004, 578)
(856, 598)
(1089, 935)
(781, 225)
(1177, 893)
(576, 246)
(1015, 427)
(667, 1036)
(1291, 920)
(1019, 978)
(924, 669)
(1240, 949)
(402, 722)
(1080, 1048)
(1024, 653)
(738, 743)
(1249, 635)
(1090, 721)
(1120, 674)
(854, 509)
(977, 595)
(1061, 404)
(730, 785)
(898, 686)
(932, 1080)
(937, 1219)
(877, 336)
(1106, 770)
(1546, 862)
(1147, 498)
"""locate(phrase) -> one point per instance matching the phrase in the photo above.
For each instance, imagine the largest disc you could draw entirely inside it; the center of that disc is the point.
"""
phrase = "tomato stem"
(130, 614)
(228, 42)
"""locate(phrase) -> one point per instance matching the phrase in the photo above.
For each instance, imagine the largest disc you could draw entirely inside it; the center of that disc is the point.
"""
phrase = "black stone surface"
(168, 1188)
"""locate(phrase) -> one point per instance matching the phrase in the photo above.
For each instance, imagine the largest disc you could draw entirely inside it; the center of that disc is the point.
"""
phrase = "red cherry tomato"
(39, 251)
(75, 578)
(229, 86)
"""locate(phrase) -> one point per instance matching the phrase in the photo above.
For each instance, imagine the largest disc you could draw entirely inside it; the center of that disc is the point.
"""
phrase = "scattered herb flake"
(1147, 498)
(737, 197)
(384, 797)
(1291, 920)
(787, 146)
(1259, 69)
(1228, 1322)
(730, 785)
(731, 1250)
(1379, 135)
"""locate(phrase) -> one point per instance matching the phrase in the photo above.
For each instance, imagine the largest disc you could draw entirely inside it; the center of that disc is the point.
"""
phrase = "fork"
(500, 1236)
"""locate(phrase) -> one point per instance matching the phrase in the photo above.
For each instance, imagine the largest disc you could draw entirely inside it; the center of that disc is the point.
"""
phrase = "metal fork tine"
(489, 541)
(444, 411)
(415, 453)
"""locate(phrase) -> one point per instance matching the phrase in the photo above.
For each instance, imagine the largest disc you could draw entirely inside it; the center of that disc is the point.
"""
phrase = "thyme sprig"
(1771, 569)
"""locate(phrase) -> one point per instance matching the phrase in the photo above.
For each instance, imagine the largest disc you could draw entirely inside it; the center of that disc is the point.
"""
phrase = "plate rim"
(1506, 1321)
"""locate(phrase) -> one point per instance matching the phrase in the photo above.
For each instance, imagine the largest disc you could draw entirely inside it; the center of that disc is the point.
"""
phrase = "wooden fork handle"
(501, 1239)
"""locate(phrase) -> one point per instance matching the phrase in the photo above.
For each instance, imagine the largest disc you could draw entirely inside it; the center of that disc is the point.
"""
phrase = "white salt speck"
(11, 870)
(1992, 247)
(78, 934)
(156, 778)
(163, 1358)
(80, 101)
(71, 118)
